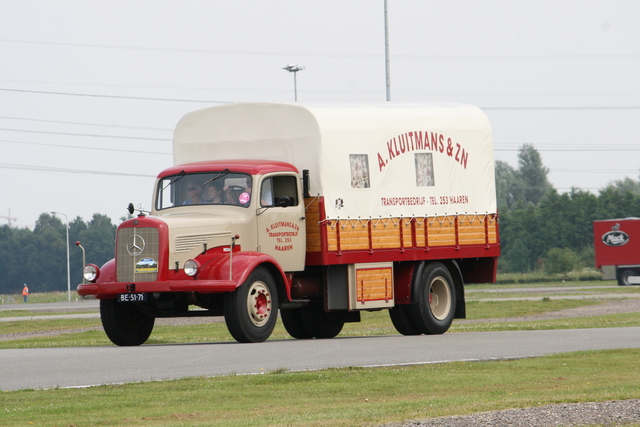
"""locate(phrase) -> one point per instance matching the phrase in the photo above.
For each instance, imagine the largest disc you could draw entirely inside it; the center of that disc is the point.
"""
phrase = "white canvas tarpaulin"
(366, 160)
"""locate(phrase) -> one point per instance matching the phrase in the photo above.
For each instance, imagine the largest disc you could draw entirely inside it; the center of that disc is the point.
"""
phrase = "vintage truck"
(318, 211)
(617, 249)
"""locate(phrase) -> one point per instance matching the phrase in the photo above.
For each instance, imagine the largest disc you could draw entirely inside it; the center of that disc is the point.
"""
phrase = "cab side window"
(266, 193)
(279, 191)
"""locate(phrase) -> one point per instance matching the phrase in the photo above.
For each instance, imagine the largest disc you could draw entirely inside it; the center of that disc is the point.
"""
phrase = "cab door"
(280, 219)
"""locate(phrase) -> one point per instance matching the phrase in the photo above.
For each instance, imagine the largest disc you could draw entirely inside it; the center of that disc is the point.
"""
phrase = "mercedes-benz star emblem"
(135, 245)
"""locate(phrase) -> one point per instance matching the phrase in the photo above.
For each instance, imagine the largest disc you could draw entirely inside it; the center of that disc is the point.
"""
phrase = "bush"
(562, 261)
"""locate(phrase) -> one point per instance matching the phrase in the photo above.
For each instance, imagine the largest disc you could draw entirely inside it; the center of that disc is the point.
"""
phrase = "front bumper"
(110, 289)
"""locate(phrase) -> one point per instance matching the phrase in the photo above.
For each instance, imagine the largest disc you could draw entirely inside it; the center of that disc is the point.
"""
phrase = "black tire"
(292, 321)
(623, 277)
(434, 305)
(321, 324)
(251, 310)
(125, 323)
(401, 318)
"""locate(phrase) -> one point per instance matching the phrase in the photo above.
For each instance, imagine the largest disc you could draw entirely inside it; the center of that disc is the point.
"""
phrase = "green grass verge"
(39, 297)
(620, 320)
(336, 397)
(590, 294)
(550, 283)
(31, 313)
(375, 323)
(477, 309)
(21, 326)
(584, 275)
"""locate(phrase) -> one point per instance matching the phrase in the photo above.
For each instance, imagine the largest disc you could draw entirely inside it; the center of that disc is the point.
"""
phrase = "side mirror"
(305, 184)
(284, 201)
(130, 208)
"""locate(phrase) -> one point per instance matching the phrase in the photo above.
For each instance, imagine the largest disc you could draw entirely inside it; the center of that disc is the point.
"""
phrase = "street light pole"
(294, 68)
(68, 268)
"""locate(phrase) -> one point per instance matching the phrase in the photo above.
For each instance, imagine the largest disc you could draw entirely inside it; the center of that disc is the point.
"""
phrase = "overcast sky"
(90, 91)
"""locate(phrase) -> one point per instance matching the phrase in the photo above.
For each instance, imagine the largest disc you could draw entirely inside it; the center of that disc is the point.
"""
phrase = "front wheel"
(251, 310)
(625, 275)
(435, 305)
(125, 323)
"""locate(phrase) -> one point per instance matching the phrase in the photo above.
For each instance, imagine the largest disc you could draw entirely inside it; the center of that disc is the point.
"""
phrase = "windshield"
(211, 188)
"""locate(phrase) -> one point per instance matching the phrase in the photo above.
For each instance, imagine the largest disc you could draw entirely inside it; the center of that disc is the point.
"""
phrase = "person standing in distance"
(25, 292)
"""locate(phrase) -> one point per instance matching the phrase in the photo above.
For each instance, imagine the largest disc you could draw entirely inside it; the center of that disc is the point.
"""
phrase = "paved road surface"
(74, 367)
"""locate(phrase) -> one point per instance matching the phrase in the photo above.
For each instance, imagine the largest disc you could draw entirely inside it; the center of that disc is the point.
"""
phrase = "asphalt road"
(88, 366)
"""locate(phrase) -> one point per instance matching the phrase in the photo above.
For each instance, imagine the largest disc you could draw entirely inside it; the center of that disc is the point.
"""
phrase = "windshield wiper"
(174, 179)
(220, 175)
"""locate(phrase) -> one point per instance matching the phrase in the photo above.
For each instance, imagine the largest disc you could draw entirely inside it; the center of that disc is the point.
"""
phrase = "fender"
(242, 264)
(108, 272)
(458, 284)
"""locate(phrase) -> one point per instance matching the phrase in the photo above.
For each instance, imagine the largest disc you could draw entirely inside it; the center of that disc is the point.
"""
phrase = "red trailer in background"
(617, 248)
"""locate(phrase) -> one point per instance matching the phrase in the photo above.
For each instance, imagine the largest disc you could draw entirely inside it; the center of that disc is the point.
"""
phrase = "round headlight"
(191, 268)
(90, 272)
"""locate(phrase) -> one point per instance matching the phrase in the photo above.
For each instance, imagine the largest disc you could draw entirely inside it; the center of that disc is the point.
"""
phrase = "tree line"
(540, 230)
(38, 257)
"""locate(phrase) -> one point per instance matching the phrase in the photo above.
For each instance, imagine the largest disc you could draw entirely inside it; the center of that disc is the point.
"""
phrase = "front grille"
(137, 254)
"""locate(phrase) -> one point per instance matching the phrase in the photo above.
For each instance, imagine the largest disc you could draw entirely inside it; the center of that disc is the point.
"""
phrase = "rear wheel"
(435, 304)
(401, 319)
(251, 311)
(321, 324)
(292, 321)
(125, 323)
(625, 275)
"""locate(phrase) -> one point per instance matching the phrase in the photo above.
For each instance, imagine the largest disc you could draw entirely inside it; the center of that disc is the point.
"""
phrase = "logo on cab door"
(283, 232)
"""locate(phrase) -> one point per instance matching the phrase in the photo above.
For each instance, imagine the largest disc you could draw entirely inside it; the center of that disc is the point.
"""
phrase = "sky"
(90, 91)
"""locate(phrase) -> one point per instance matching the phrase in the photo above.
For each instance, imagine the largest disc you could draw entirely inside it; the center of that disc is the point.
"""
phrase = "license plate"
(132, 297)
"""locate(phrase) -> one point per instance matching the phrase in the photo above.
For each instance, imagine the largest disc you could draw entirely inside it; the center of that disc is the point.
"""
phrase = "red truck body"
(617, 249)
